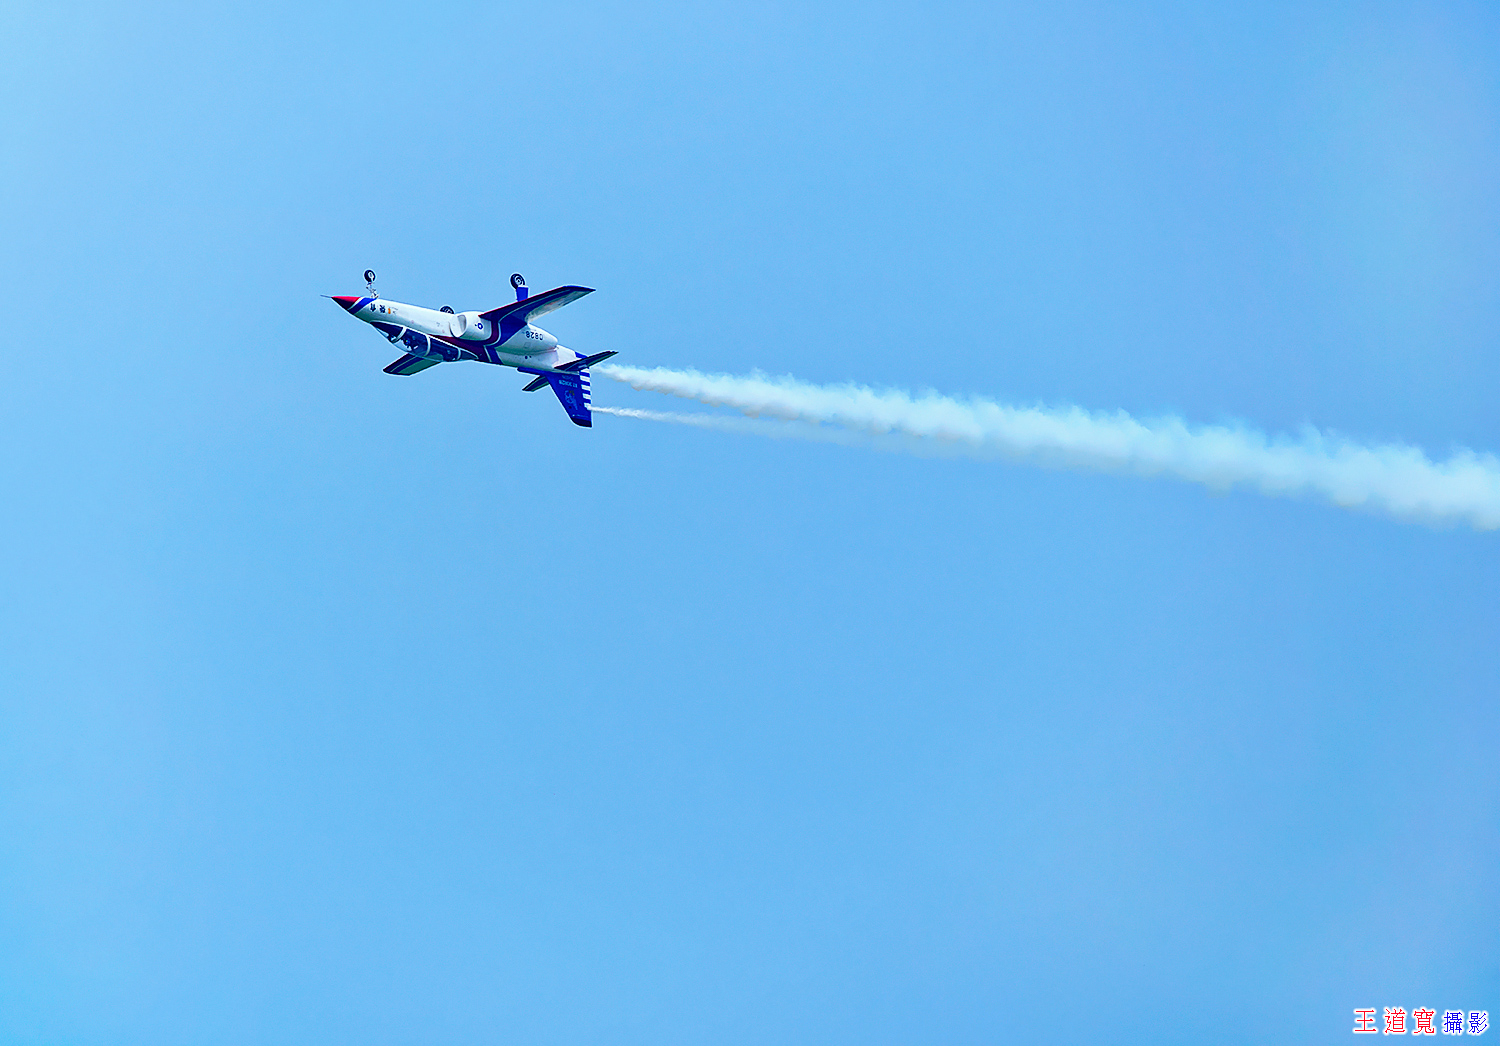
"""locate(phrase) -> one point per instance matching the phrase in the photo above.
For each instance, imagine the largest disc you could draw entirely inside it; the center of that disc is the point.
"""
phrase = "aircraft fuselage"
(452, 336)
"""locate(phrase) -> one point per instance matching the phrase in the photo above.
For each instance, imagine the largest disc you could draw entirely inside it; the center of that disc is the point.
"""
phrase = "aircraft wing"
(528, 309)
(410, 364)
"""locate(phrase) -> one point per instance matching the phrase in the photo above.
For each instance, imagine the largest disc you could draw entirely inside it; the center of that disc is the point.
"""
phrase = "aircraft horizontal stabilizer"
(587, 361)
(410, 364)
(574, 367)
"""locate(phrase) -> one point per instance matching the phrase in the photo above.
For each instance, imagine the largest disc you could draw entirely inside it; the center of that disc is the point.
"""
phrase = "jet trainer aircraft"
(504, 336)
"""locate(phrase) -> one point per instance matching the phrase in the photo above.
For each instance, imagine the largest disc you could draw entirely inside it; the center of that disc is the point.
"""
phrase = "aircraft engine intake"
(469, 326)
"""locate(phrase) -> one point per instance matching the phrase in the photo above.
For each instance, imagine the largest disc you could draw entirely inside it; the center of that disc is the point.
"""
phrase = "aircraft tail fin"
(574, 395)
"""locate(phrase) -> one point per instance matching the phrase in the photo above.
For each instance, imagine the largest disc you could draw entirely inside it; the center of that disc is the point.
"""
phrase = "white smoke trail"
(774, 428)
(721, 423)
(1392, 478)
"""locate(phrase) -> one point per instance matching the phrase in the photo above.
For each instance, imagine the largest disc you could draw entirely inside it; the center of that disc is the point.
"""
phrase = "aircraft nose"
(346, 300)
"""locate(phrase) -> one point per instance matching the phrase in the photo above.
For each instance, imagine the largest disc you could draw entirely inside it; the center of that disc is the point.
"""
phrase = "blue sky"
(348, 708)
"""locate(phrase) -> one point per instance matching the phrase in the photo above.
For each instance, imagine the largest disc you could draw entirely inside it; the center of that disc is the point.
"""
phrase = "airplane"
(503, 336)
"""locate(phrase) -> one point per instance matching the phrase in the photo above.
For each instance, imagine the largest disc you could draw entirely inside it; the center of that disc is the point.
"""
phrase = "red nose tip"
(347, 301)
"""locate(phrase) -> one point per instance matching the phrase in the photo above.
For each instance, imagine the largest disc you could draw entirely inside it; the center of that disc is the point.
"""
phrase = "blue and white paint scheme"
(504, 336)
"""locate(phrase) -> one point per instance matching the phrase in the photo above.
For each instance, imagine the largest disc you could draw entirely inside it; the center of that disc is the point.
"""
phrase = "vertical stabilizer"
(573, 393)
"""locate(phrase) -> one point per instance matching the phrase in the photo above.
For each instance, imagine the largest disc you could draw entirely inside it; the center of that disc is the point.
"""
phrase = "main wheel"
(517, 280)
(369, 275)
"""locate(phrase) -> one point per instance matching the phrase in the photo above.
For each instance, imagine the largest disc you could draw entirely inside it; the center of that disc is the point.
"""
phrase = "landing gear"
(370, 280)
(448, 309)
